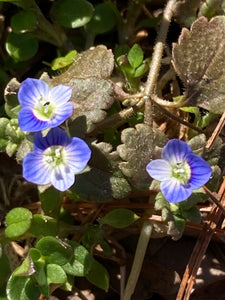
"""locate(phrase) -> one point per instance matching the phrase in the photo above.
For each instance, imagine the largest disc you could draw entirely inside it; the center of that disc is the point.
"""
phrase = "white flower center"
(182, 172)
(44, 109)
(55, 156)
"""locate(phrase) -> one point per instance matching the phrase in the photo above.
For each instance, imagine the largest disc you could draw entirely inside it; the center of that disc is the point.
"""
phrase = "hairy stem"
(144, 237)
(156, 60)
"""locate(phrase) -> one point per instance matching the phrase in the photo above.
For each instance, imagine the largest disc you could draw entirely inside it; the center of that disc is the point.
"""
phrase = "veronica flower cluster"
(56, 157)
(180, 171)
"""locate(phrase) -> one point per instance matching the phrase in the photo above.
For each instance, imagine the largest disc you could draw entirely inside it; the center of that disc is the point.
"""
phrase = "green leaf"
(203, 76)
(55, 251)
(22, 288)
(51, 202)
(55, 274)
(137, 151)
(23, 21)
(98, 275)
(210, 8)
(43, 226)
(5, 269)
(80, 263)
(35, 254)
(103, 20)
(72, 13)
(18, 221)
(11, 99)
(119, 218)
(135, 56)
(21, 47)
(26, 268)
(62, 62)
(40, 277)
(186, 12)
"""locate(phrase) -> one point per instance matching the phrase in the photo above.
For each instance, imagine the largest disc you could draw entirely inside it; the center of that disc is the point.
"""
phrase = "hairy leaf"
(104, 180)
(95, 62)
(199, 61)
(92, 92)
(90, 98)
(137, 151)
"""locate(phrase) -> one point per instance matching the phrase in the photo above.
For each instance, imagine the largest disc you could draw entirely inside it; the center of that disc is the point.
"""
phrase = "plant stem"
(144, 237)
(156, 60)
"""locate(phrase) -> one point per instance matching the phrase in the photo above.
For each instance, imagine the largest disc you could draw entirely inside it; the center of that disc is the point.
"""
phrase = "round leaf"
(23, 21)
(21, 47)
(103, 20)
(18, 221)
(54, 250)
(119, 218)
(72, 13)
(22, 288)
(43, 225)
(55, 274)
(81, 261)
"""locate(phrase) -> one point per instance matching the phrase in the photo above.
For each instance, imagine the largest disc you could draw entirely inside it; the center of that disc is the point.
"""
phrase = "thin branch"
(156, 60)
(216, 132)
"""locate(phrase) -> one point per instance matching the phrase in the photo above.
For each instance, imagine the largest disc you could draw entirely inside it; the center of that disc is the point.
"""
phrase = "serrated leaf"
(199, 61)
(10, 96)
(137, 151)
(104, 180)
(18, 221)
(90, 98)
(119, 218)
(95, 62)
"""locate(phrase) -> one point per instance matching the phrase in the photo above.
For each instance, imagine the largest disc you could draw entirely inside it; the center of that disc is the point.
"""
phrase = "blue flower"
(180, 171)
(56, 159)
(43, 107)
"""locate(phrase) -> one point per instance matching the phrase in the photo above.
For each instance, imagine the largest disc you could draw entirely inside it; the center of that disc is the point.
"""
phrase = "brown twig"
(200, 248)
(216, 132)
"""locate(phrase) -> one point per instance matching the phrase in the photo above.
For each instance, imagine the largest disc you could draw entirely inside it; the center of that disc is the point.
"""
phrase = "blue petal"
(30, 91)
(62, 178)
(159, 169)
(61, 114)
(78, 155)
(175, 192)
(200, 170)
(61, 94)
(34, 169)
(55, 136)
(175, 151)
(28, 121)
